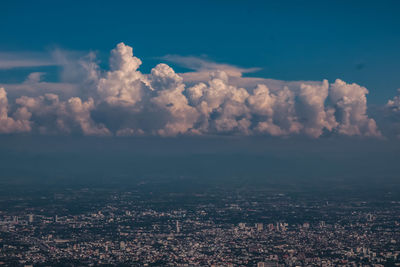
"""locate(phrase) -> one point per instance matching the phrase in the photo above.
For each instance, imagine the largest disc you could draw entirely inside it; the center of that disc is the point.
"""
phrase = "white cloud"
(9, 124)
(215, 99)
(201, 65)
(315, 116)
(169, 98)
(123, 85)
(52, 116)
(204, 68)
(34, 77)
(393, 112)
(394, 104)
(351, 107)
(79, 112)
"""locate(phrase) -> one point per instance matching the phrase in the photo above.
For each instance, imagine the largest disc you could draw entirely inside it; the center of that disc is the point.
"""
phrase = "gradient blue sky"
(357, 41)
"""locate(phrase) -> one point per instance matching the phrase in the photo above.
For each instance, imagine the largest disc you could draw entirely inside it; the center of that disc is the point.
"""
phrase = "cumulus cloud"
(34, 77)
(214, 100)
(393, 114)
(351, 107)
(52, 116)
(169, 87)
(314, 114)
(9, 124)
(123, 85)
(394, 104)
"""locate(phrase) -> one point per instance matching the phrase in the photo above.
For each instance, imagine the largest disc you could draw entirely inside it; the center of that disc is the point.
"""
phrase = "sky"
(319, 69)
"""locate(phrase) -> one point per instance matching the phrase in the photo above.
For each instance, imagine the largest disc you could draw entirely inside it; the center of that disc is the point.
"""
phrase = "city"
(218, 227)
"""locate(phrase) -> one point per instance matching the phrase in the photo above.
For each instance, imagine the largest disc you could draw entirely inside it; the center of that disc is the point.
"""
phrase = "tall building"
(259, 226)
(177, 227)
(122, 245)
(30, 218)
(270, 227)
(284, 227)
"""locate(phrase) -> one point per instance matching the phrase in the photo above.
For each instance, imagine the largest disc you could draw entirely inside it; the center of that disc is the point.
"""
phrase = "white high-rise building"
(122, 245)
(259, 226)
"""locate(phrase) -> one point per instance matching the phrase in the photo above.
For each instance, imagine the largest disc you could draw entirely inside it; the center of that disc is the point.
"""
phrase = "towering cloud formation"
(351, 106)
(123, 85)
(169, 99)
(123, 101)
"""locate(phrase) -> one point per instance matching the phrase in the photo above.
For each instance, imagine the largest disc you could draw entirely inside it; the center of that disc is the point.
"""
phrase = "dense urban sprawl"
(212, 228)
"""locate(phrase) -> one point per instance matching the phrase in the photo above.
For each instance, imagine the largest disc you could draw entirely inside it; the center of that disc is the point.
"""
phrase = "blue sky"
(357, 41)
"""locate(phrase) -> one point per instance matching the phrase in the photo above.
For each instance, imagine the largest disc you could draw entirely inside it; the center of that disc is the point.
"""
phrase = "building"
(259, 226)
(122, 245)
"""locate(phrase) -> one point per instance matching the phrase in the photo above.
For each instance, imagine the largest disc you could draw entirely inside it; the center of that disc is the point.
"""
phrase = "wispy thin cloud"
(11, 60)
(203, 65)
